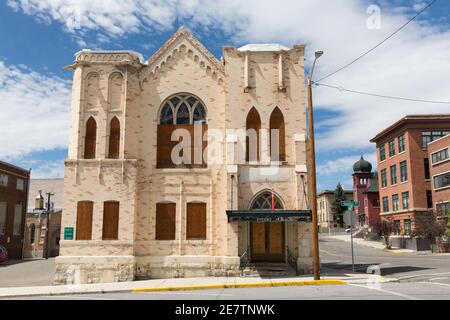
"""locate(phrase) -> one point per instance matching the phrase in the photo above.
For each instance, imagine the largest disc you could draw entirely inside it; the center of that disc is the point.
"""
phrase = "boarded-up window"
(165, 221)
(90, 139)
(253, 126)
(166, 145)
(196, 221)
(182, 111)
(277, 130)
(111, 220)
(114, 139)
(84, 220)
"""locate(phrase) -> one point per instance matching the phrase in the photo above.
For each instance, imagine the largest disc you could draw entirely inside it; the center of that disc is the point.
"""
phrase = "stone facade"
(120, 84)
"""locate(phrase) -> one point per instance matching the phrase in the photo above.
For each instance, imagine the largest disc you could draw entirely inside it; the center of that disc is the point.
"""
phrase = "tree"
(428, 227)
(385, 228)
(336, 208)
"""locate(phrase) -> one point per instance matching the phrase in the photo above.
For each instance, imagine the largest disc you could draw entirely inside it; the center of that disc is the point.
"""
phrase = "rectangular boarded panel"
(275, 238)
(84, 220)
(111, 220)
(196, 221)
(165, 146)
(165, 221)
(258, 238)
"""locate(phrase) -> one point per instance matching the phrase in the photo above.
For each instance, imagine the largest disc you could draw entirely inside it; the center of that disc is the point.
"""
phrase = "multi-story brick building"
(325, 217)
(365, 191)
(14, 182)
(404, 167)
(439, 151)
(133, 210)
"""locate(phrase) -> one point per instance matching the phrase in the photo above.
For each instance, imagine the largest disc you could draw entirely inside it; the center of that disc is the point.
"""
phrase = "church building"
(159, 180)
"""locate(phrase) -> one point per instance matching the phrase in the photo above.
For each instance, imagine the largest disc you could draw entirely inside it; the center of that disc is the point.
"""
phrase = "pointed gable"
(175, 43)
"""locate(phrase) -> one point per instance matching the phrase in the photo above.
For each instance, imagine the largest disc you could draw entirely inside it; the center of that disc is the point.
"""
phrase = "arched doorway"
(267, 239)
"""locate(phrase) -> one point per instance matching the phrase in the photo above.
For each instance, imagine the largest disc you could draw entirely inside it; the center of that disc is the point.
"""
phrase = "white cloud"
(343, 164)
(48, 170)
(414, 63)
(33, 111)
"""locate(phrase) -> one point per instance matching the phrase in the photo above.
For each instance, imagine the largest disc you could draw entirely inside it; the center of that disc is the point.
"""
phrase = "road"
(336, 258)
(422, 277)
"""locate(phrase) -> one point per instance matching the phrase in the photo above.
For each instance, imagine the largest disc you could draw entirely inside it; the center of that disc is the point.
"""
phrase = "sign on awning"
(269, 216)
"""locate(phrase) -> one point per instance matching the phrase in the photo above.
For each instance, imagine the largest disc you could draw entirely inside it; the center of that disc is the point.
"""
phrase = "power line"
(342, 89)
(381, 43)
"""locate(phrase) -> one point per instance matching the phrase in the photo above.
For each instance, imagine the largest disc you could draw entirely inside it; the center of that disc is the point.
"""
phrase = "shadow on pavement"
(362, 268)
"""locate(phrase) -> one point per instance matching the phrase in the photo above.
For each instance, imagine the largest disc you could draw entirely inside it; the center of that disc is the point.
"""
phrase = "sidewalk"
(181, 284)
(373, 244)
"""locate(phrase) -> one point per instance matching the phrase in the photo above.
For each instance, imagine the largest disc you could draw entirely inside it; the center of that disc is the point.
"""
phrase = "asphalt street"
(336, 258)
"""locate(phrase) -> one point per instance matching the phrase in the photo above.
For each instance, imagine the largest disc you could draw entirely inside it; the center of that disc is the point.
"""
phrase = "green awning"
(269, 216)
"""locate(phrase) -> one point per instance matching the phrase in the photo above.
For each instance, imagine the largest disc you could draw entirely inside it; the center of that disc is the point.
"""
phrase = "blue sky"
(40, 37)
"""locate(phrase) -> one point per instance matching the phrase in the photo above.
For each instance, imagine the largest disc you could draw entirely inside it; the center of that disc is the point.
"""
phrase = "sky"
(40, 37)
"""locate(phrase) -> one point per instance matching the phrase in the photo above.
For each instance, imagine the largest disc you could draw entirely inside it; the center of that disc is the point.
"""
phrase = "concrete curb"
(244, 285)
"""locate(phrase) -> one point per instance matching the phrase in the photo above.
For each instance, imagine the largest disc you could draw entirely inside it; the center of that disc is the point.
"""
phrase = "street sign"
(350, 204)
(68, 233)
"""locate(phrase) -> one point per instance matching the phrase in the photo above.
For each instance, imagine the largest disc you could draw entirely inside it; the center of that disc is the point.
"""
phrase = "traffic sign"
(350, 204)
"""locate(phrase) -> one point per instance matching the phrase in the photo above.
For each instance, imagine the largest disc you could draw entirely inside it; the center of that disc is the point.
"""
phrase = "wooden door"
(84, 220)
(111, 220)
(196, 221)
(267, 242)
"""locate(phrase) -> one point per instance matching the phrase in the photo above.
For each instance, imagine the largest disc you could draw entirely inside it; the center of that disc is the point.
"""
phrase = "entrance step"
(269, 270)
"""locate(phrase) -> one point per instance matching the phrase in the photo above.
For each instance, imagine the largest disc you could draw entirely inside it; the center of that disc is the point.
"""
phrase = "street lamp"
(312, 161)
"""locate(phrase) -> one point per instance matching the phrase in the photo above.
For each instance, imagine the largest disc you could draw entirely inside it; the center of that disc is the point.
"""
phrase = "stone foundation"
(304, 266)
(164, 267)
(85, 270)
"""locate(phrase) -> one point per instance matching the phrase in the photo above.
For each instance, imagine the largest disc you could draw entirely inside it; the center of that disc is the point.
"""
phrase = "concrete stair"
(269, 270)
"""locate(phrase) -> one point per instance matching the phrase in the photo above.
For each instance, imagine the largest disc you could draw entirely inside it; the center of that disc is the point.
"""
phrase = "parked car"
(3, 254)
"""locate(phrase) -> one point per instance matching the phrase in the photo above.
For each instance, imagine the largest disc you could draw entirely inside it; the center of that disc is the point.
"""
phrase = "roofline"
(424, 118)
(332, 192)
(15, 167)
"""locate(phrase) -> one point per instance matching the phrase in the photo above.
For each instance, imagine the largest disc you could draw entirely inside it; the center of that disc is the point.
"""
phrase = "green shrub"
(447, 231)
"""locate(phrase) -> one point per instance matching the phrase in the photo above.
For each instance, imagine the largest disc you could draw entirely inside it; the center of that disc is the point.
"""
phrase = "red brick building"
(365, 191)
(404, 167)
(14, 182)
(439, 155)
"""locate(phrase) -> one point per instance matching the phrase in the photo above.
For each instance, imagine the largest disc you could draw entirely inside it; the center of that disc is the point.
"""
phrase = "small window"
(3, 211)
(440, 156)
(403, 171)
(114, 139)
(385, 204)
(90, 140)
(408, 227)
(397, 226)
(405, 200)
(426, 166)
(165, 221)
(383, 178)
(111, 220)
(32, 233)
(393, 175)
(20, 184)
(18, 218)
(401, 144)
(391, 148)
(3, 179)
(84, 220)
(429, 199)
(395, 203)
(196, 221)
(382, 153)
(442, 181)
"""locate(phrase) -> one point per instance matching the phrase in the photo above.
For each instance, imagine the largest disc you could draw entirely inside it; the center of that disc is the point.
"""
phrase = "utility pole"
(312, 165)
(49, 195)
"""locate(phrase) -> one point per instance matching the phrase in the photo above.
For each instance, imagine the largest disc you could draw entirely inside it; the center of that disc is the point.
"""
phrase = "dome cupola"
(362, 166)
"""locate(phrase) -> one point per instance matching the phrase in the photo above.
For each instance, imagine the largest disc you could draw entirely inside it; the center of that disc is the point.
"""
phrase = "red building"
(365, 191)
(14, 182)
(439, 151)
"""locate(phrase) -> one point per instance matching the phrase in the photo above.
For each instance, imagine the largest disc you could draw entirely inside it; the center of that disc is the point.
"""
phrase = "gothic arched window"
(114, 139)
(90, 140)
(253, 126)
(277, 130)
(181, 111)
(264, 202)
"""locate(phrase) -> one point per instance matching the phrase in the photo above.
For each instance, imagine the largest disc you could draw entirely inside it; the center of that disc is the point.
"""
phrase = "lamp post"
(47, 233)
(312, 161)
